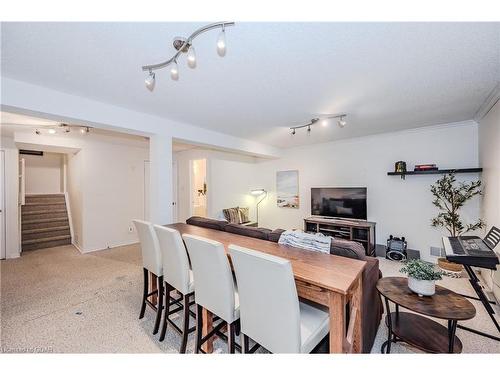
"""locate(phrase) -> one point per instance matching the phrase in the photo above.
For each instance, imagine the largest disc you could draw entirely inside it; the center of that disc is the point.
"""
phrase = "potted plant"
(449, 198)
(422, 277)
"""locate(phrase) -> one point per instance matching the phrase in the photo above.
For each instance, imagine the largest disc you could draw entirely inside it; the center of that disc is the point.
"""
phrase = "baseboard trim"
(107, 248)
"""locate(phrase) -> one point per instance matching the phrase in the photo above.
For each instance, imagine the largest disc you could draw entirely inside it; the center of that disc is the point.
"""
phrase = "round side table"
(417, 330)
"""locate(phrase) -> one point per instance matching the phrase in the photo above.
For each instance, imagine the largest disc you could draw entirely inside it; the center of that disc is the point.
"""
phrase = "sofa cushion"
(346, 248)
(206, 222)
(260, 233)
(232, 215)
(274, 236)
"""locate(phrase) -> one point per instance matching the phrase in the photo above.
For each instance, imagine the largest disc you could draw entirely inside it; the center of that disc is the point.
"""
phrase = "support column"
(160, 177)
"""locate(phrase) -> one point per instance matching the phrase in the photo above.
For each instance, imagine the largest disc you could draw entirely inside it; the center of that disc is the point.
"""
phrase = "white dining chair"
(151, 263)
(177, 276)
(214, 288)
(271, 314)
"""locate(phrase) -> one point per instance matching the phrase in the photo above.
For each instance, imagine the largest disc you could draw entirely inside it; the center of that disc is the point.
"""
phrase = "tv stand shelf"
(353, 230)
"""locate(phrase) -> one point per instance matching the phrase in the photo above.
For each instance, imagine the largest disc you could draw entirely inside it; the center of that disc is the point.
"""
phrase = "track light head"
(293, 131)
(191, 57)
(174, 71)
(341, 123)
(309, 130)
(221, 43)
(150, 81)
(37, 132)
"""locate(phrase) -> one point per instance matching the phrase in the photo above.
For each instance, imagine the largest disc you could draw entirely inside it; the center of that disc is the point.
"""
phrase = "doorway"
(198, 187)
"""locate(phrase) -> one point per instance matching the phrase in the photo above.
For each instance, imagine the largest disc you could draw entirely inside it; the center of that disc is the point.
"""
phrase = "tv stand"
(354, 230)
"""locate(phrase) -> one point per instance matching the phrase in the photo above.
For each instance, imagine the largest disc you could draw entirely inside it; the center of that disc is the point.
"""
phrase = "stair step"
(43, 245)
(46, 239)
(44, 195)
(45, 220)
(40, 201)
(43, 230)
(39, 212)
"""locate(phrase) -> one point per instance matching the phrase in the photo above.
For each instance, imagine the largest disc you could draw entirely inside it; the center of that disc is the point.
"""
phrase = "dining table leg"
(208, 346)
(336, 307)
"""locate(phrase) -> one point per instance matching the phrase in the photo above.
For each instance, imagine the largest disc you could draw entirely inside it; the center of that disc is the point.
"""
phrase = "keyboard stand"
(474, 281)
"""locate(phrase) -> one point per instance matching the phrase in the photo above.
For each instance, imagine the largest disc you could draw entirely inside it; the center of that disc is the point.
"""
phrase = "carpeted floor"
(58, 300)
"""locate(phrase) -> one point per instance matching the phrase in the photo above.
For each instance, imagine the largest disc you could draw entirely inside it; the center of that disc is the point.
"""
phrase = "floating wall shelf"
(439, 171)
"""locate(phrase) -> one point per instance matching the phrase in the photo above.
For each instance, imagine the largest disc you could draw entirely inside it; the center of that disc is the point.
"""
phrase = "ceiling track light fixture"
(323, 121)
(183, 45)
(65, 128)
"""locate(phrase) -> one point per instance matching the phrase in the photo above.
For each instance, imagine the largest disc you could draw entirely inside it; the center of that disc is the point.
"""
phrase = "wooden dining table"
(329, 280)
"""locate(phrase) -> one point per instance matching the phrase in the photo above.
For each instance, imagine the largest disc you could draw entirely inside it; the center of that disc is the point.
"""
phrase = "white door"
(2, 205)
(175, 213)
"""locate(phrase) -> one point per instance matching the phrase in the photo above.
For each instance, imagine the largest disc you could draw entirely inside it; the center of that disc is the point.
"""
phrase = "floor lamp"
(258, 193)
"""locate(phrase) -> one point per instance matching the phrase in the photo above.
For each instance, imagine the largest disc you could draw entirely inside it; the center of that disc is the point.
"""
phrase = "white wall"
(489, 157)
(12, 231)
(44, 174)
(401, 208)
(75, 196)
(105, 185)
(229, 180)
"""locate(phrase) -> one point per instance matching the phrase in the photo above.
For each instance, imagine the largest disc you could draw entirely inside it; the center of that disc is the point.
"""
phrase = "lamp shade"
(257, 191)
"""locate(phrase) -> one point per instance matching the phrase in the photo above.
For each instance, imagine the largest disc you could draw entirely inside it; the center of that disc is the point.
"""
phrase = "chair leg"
(159, 305)
(245, 344)
(230, 337)
(168, 289)
(185, 329)
(144, 293)
(199, 323)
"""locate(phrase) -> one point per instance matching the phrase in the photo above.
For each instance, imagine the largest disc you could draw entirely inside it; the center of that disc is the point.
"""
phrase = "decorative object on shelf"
(422, 277)
(396, 248)
(449, 198)
(258, 193)
(425, 167)
(400, 167)
(64, 129)
(185, 45)
(323, 120)
(450, 269)
(287, 189)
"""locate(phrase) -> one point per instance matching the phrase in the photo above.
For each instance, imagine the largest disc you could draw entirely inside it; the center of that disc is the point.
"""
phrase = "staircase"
(44, 222)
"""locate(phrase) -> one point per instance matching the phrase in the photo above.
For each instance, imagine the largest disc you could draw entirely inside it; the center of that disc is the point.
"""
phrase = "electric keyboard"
(471, 251)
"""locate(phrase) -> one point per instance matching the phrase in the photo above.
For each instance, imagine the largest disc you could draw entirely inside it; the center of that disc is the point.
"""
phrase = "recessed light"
(52, 131)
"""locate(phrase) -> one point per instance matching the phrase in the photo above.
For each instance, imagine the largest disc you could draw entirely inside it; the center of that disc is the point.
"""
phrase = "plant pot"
(422, 287)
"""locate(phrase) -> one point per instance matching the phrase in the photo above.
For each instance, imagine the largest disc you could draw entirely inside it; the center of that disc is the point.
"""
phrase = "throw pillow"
(232, 215)
(244, 214)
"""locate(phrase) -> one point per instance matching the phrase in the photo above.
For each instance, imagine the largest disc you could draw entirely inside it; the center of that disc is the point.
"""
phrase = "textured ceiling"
(385, 76)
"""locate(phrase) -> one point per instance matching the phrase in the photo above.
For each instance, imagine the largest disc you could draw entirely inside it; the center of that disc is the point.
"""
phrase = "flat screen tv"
(346, 203)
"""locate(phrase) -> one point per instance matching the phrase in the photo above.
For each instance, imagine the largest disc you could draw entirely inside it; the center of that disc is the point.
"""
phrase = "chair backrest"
(214, 288)
(151, 257)
(269, 304)
(174, 257)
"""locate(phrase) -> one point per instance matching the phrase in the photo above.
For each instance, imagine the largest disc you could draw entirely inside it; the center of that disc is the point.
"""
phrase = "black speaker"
(396, 248)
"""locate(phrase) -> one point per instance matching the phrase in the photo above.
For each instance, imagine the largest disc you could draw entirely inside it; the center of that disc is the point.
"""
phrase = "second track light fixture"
(183, 45)
(324, 122)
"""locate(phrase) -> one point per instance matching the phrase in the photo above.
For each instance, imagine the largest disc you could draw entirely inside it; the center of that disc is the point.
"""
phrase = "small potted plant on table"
(422, 277)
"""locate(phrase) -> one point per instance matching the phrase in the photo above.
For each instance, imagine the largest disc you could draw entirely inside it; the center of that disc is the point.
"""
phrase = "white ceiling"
(11, 123)
(386, 76)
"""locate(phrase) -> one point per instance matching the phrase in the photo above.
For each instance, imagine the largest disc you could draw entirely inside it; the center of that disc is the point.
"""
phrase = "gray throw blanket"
(308, 241)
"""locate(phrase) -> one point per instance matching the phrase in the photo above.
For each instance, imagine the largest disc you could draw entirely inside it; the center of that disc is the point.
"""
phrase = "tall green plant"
(450, 197)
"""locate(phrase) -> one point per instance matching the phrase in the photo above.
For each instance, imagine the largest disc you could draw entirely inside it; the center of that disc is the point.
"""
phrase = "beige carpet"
(58, 300)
